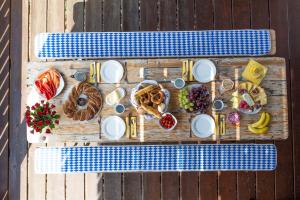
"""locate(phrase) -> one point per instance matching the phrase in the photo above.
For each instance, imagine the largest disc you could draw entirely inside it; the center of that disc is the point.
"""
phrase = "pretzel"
(158, 98)
(145, 90)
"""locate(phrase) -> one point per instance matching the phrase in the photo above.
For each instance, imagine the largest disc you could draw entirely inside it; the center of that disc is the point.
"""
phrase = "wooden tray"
(165, 70)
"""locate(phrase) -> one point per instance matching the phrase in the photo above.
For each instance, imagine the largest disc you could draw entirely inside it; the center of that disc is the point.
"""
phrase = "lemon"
(256, 71)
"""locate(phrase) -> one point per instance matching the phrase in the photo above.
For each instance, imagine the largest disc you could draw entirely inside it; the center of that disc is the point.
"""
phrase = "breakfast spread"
(247, 99)
(83, 103)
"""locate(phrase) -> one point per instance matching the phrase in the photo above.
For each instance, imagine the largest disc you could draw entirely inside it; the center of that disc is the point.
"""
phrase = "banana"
(258, 130)
(266, 122)
(260, 121)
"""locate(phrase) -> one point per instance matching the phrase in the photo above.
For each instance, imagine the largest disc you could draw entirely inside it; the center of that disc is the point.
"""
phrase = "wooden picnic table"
(165, 70)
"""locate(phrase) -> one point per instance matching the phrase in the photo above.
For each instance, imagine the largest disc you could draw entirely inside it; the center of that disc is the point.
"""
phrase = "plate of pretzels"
(150, 99)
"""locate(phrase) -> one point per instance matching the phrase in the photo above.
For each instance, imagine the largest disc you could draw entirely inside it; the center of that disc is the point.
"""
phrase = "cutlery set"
(131, 127)
(220, 120)
(187, 70)
(95, 75)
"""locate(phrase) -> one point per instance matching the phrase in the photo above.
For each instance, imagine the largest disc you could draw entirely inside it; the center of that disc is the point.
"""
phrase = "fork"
(223, 127)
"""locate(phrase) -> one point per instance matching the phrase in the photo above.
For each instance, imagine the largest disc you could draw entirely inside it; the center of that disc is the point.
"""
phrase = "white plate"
(111, 71)
(113, 127)
(204, 71)
(120, 91)
(58, 90)
(203, 125)
(250, 112)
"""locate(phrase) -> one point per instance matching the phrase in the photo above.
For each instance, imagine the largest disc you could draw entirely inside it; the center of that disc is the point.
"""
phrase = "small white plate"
(204, 71)
(120, 91)
(250, 112)
(203, 125)
(58, 90)
(111, 71)
(113, 127)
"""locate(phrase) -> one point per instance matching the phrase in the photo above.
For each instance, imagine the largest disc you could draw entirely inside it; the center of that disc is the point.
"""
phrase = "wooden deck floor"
(21, 20)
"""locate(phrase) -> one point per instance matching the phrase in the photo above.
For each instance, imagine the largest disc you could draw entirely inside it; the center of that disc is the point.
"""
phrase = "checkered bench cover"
(153, 44)
(198, 157)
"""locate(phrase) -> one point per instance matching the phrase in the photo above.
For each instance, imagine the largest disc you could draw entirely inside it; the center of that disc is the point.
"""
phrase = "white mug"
(220, 105)
(178, 83)
(120, 108)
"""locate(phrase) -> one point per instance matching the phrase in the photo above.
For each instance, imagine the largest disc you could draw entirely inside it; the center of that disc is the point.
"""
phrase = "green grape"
(184, 102)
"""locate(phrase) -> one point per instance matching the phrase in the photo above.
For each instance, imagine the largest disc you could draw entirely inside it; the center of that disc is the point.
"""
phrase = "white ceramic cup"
(178, 83)
(120, 108)
(218, 105)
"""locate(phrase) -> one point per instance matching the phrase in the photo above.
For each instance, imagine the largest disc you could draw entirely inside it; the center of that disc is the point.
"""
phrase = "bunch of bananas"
(261, 126)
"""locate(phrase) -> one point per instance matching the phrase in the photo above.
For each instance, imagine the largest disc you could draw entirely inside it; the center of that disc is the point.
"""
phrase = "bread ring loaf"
(94, 102)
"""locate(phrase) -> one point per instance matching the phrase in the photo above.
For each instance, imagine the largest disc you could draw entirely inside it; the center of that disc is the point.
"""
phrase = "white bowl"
(175, 120)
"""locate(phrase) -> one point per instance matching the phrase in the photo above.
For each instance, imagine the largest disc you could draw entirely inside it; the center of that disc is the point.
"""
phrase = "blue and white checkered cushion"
(195, 157)
(153, 44)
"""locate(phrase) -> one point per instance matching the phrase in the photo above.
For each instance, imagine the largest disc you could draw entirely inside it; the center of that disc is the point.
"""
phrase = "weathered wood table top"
(164, 70)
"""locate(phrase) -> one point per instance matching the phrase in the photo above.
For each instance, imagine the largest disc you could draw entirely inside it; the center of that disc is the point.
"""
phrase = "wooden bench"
(174, 44)
(145, 158)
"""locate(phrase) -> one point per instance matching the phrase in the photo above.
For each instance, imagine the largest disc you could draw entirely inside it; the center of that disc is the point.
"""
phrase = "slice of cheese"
(263, 101)
(235, 105)
(235, 94)
(234, 99)
(249, 86)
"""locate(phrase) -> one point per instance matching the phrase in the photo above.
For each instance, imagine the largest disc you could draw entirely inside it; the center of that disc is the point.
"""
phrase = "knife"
(191, 64)
(128, 128)
(98, 67)
(216, 116)
(224, 124)
(92, 73)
